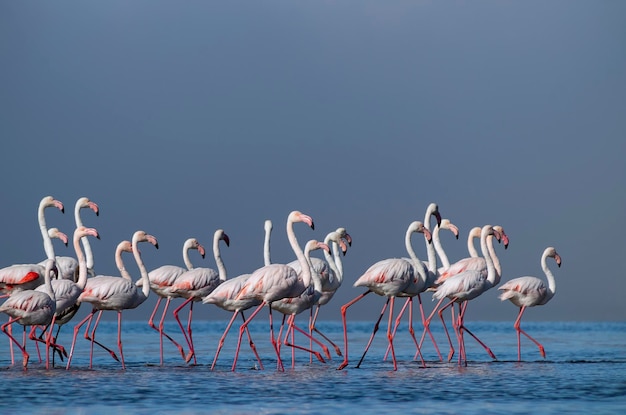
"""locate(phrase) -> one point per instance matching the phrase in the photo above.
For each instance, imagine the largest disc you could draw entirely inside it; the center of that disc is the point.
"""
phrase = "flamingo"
(529, 292)
(68, 266)
(466, 286)
(67, 291)
(293, 306)
(32, 308)
(196, 284)
(114, 293)
(331, 280)
(161, 280)
(276, 281)
(226, 294)
(389, 278)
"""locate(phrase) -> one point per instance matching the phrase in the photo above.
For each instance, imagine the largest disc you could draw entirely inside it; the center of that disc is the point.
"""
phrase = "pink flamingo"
(67, 291)
(529, 292)
(466, 286)
(472, 263)
(196, 284)
(114, 293)
(226, 297)
(161, 280)
(32, 308)
(332, 279)
(276, 281)
(293, 306)
(389, 278)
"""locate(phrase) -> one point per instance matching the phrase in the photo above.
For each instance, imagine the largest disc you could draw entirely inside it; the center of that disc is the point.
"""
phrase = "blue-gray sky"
(179, 118)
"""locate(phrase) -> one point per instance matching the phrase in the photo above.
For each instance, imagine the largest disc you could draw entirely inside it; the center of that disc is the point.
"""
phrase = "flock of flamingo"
(42, 295)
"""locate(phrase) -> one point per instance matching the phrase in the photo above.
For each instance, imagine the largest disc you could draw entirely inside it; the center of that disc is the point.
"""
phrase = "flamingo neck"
(331, 259)
(473, 253)
(494, 258)
(47, 242)
(82, 262)
(293, 241)
(491, 271)
(47, 281)
(549, 276)
(119, 262)
(145, 289)
(267, 260)
(84, 240)
(438, 249)
(417, 264)
(218, 257)
(430, 249)
(186, 248)
(317, 281)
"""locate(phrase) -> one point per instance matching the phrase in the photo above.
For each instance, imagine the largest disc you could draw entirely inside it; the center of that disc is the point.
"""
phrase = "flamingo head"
(142, 236)
(551, 252)
(221, 235)
(345, 235)
(504, 238)
(313, 244)
(49, 201)
(297, 216)
(419, 227)
(446, 224)
(56, 233)
(84, 231)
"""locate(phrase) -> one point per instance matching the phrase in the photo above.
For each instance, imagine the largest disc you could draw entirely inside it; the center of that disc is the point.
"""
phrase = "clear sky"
(179, 118)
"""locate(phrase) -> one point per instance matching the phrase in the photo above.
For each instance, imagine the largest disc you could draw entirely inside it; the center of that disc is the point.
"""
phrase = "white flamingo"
(32, 308)
(466, 286)
(197, 283)
(114, 293)
(161, 281)
(226, 294)
(389, 278)
(276, 281)
(529, 292)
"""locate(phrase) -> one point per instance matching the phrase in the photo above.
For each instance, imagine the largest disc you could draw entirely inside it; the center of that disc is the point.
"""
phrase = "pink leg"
(314, 329)
(396, 324)
(390, 336)
(462, 327)
(427, 321)
(440, 313)
(274, 342)
(162, 332)
(10, 334)
(182, 329)
(292, 328)
(344, 308)
(195, 362)
(426, 329)
(412, 332)
(382, 313)
(25, 355)
(119, 337)
(223, 339)
(76, 330)
(519, 330)
(242, 328)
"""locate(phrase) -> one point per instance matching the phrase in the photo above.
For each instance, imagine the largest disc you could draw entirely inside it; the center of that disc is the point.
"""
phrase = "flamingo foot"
(343, 364)
(25, 360)
(493, 356)
(319, 357)
(338, 351)
(542, 351)
(189, 356)
(114, 356)
(327, 353)
(450, 355)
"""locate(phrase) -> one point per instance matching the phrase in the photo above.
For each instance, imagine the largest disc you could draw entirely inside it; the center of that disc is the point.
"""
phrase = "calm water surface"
(584, 372)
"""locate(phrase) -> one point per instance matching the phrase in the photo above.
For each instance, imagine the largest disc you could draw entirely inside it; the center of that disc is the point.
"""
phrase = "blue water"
(584, 372)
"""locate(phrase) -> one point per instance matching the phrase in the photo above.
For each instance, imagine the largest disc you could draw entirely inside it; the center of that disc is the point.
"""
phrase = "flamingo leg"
(443, 322)
(10, 333)
(119, 336)
(412, 331)
(292, 328)
(274, 342)
(462, 327)
(4, 327)
(195, 362)
(242, 328)
(396, 324)
(163, 333)
(76, 330)
(314, 329)
(427, 321)
(223, 338)
(389, 335)
(344, 308)
(382, 313)
(519, 330)
(182, 329)
(426, 329)
(280, 331)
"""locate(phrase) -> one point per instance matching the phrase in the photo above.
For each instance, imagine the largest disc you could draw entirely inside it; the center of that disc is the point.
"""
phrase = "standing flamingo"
(293, 306)
(32, 308)
(389, 278)
(161, 280)
(276, 281)
(196, 284)
(529, 292)
(226, 294)
(466, 286)
(67, 291)
(114, 293)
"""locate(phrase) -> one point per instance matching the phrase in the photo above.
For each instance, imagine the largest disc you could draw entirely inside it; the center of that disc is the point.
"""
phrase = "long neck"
(47, 242)
(293, 241)
(186, 259)
(317, 281)
(145, 289)
(119, 262)
(439, 249)
(82, 263)
(332, 259)
(549, 276)
(218, 258)
(494, 258)
(430, 249)
(266, 244)
(417, 264)
(48, 283)
(470, 246)
(491, 271)
(84, 240)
